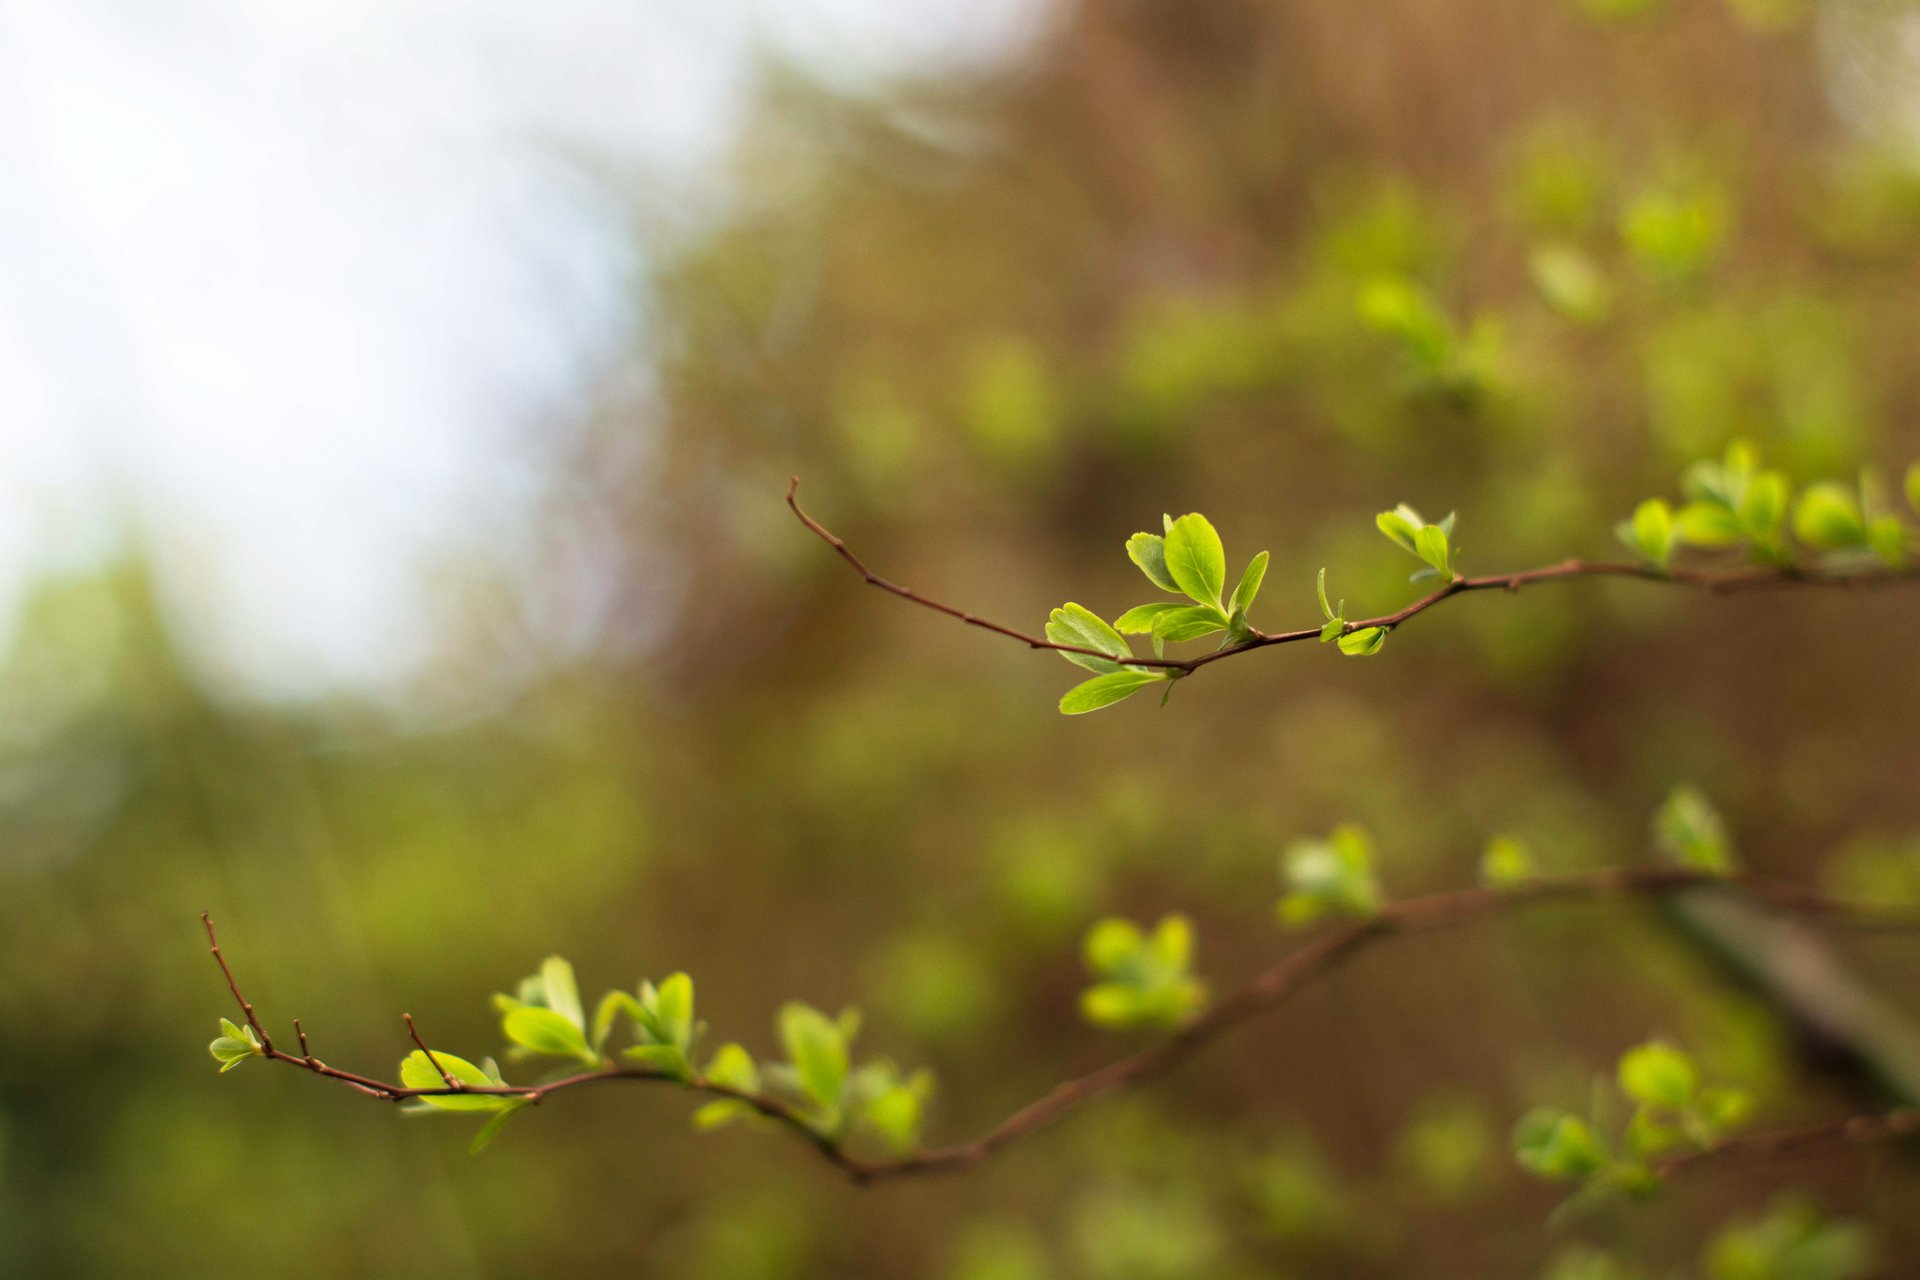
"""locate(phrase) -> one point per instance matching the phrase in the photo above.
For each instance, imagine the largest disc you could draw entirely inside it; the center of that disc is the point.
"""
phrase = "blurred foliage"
(1284, 263)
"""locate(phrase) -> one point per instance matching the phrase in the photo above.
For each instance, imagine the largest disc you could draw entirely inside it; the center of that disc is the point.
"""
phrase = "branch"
(1713, 582)
(1264, 993)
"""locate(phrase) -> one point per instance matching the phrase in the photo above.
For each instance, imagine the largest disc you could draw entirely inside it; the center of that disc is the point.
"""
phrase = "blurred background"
(396, 402)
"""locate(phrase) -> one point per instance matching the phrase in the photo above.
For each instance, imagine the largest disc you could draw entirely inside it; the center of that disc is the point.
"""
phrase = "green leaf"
(895, 1117)
(562, 992)
(1571, 282)
(1723, 1108)
(1149, 551)
(674, 1009)
(668, 1059)
(1102, 691)
(234, 1045)
(1556, 1144)
(1650, 532)
(1362, 643)
(1335, 628)
(1709, 524)
(1888, 539)
(1763, 507)
(1430, 542)
(1076, 625)
(1689, 830)
(1331, 876)
(1249, 584)
(1327, 611)
(1506, 863)
(721, 1111)
(491, 1129)
(818, 1050)
(734, 1067)
(1659, 1075)
(1402, 525)
(1828, 517)
(417, 1071)
(547, 1031)
(1111, 944)
(606, 1012)
(1172, 943)
(1139, 619)
(1188, 622)
(1196, 559)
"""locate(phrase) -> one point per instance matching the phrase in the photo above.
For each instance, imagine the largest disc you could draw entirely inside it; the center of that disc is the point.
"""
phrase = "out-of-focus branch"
(1262, 994)
(1713, 582)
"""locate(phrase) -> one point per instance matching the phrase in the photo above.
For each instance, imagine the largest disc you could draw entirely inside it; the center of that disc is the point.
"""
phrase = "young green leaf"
(1249, 587)
(1076, 625)
(1650, 532)
(1689, 830)
(1196, 559)
(1402, 525)
(234, 1046)
(1659, 1075)
(418, 1071)
(1189, 622)
(1709, 524)
(1430, 542)
(1139, 620)
(547, 1031)
(1327, 611)
(491, 1129)
(673, 1009)
(1557, 1144)
(1506, 863)
(733, 1066)
(562, 992)
(1104, 691)
(1828, 517)
(667, 1059)
(1149, 551)
(1361, 643)
(817, 1049)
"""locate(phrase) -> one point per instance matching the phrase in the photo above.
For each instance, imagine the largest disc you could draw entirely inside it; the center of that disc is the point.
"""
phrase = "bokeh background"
(396, 402)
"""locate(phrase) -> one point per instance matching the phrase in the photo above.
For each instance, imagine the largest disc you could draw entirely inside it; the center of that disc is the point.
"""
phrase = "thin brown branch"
(1713, 582)
(1262, 994)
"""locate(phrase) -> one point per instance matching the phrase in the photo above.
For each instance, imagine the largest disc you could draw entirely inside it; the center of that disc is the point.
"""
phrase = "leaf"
(1658, 1075)
(1506, 863)
(721, 1111)
(547, 1031)
(1689, 830)
(1188, 622)
(491, 1129)
(1828, 516)
(674, 1009)
(1102, 691)
(1362, 643)
(1556, 1144)
(1709, 524)
(1075, 625)
(1650, 532)
(1196, 559)
(1888, 538)
(667, 1059)
(417, 1071)
(563, 993)
(1111, 944)
(1764, 505)
(606, 1012)
(1335, 628)
(1401, 524)
(1173, 943)
(1431, 543)
(733, 1066)
(1327, 611)
(1139, 619)
(1249, 587)
(818, 1051)
(1149, 551)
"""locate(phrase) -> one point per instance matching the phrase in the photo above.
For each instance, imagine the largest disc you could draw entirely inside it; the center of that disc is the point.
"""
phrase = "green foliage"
(1671, 1110)
(1691, 833)
(1792, 1242)
(1142, 980)
(234, 1046)
(835, 1096)
(1650, 532)
(1735, 504)
(1409, 531)
(1334, 876)
(1675, 232)
(1571, 282)
(1507, 863)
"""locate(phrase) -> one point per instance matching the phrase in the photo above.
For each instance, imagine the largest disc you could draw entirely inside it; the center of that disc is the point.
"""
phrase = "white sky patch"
(288, 283)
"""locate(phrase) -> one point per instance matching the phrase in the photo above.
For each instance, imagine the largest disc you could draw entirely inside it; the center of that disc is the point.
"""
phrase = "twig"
(1262, 994)
(1711, 581)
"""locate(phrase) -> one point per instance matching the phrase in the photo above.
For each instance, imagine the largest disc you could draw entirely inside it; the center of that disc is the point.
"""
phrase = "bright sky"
(287, 282)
